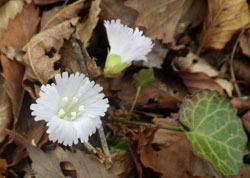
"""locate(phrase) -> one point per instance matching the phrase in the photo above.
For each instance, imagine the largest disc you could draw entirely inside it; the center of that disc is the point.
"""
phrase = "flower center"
(68, 110)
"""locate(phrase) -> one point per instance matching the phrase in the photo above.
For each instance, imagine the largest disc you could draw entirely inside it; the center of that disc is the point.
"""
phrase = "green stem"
(138, 90)
(126, 121)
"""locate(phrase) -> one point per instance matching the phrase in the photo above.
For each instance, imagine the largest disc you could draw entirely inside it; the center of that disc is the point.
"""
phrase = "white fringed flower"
(72, 108)
(126, 45)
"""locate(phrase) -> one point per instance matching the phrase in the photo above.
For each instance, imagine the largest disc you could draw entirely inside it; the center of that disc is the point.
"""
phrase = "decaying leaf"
(8, 11)
(13, 83)
(42, 51)
(169, 153)
(153, 95)
(5, 110)
(84, 30)
(21, 28)
(48, 164)
(57, 15)
(241, 69)
(197, 74)
(161, 18)
(224, 18)
(115, 9)
(44, 2)
(245, 43)
(122, 165)
(156, 56)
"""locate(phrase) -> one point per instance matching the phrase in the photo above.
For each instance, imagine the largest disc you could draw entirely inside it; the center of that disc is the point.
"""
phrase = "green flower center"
(68, 110)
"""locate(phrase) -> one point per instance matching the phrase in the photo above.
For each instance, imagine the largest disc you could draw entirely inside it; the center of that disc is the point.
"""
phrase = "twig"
(236, 86)
(126, 121)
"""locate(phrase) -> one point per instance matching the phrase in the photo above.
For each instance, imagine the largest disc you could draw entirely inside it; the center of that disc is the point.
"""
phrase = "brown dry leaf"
(84, 30)
(47, 165)
(45, 2)
(3, 2)
(246, 121)
(245, 43)
(21, 28)
(224, 18)
(156, 56)
(57, 15)
(115, 9)
(241, 69)
(8, 11)
(5, 110)
(197, 74)
(42, 51)
(13, 83)
(169, 153)
(153, 95)
(122, 165)
(161, 18)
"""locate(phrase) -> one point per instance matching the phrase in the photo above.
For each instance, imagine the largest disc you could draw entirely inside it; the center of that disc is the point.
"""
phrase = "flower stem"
(104, 142)
(138, 90)
(126, 121)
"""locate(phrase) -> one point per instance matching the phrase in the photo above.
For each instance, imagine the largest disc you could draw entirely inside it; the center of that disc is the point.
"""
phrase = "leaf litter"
(39, 39)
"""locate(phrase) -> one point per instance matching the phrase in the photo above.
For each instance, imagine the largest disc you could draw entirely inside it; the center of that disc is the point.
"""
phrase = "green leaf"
(214, 130)
(143, 77)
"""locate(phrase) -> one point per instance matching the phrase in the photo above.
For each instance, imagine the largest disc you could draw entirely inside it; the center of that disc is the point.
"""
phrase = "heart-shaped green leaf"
(214, 130)
(143, 77)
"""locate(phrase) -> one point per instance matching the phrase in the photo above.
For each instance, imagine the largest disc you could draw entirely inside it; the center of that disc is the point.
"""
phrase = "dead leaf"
(5, 110)
(246, 121)
(154, 95)
(224, 18)
(198, 74)
(241, 69)
(47, 165)
(42, 51)
(122, 165)
(241, 104)
(245, 43)
(57, 15)
(2, 2)
(169, 153)
(45, 2)
(8, 11)
(161, 18)
(13, 84)
(115, 9)
(156, 56)
(21, 28)
(193, 63)
(84, 30)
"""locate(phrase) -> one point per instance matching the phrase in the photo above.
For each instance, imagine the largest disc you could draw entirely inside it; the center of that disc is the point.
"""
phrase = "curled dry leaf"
(169, 153)
(153, 95)
(224, 18)
(42, 52)
(5, 110)
(84, 30)
(161, 18)
(48, 164)
(197, 74)
(8, 11)
(57, 15)
(21, 28)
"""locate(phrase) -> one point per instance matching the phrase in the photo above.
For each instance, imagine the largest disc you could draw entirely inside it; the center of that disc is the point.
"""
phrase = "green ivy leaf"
(214, 130)
(143, 77)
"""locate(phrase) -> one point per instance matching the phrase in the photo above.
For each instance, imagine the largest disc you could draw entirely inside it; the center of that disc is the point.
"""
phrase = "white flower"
(126, 45)
(72, 108)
